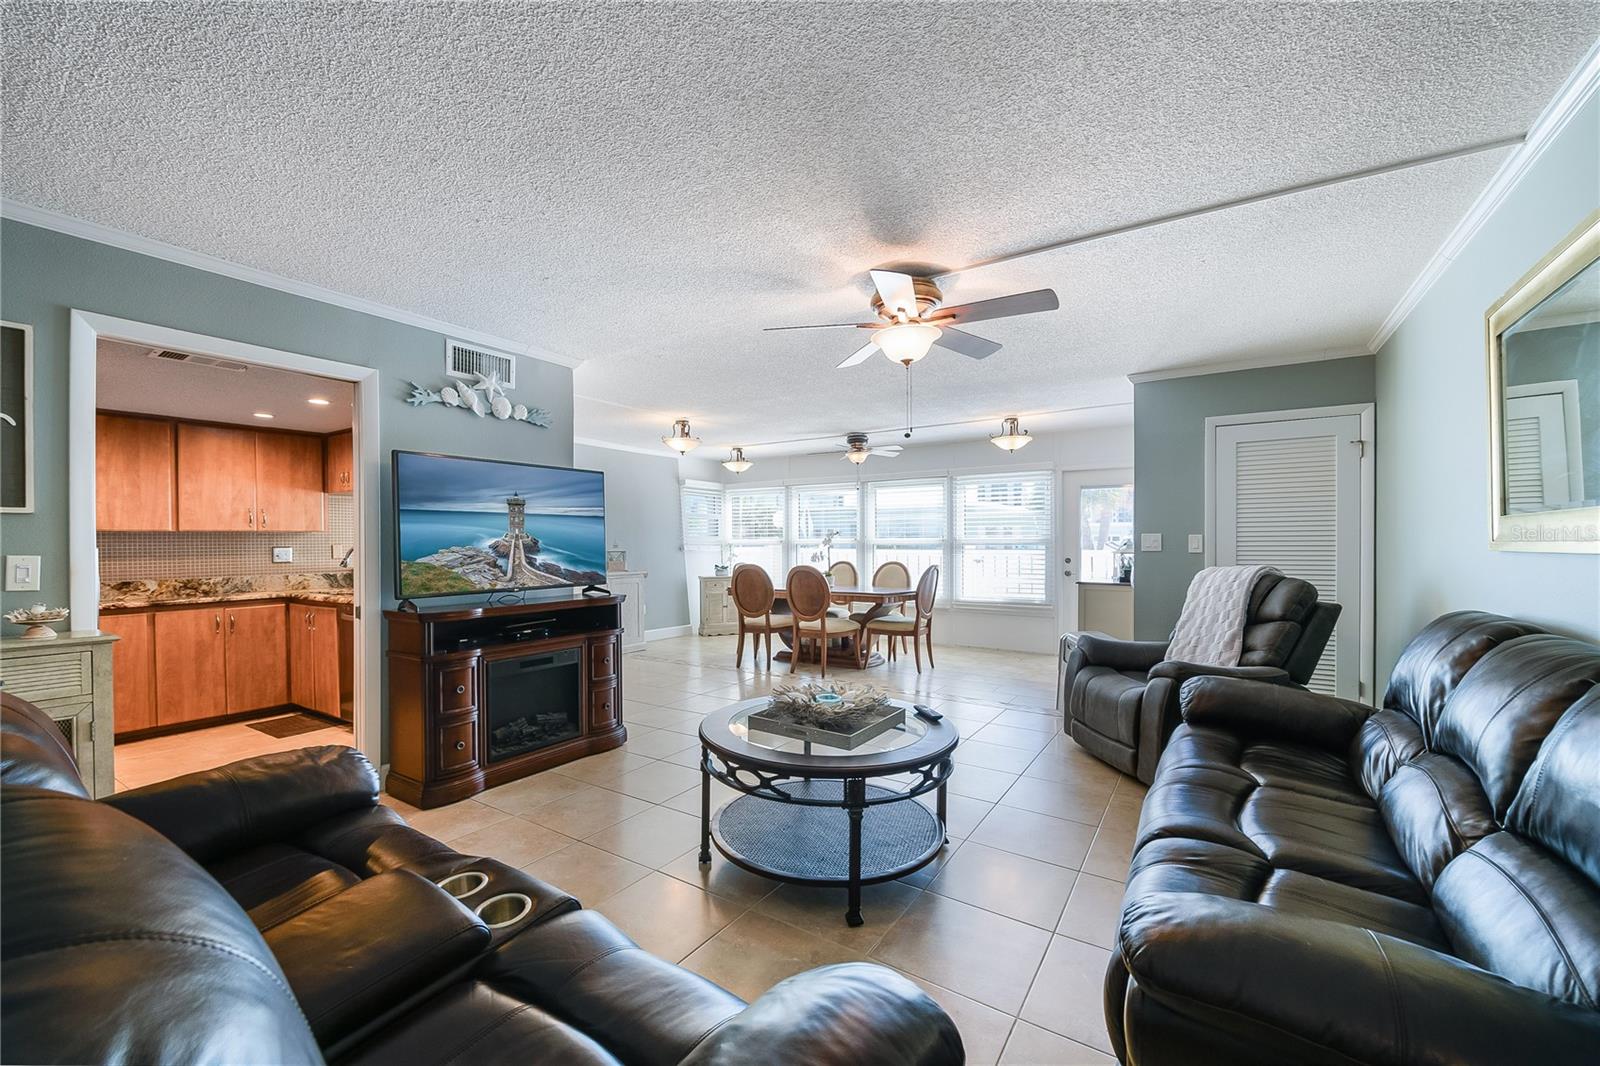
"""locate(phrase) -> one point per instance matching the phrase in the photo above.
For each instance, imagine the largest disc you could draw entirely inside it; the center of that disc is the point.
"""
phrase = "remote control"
(927, 712)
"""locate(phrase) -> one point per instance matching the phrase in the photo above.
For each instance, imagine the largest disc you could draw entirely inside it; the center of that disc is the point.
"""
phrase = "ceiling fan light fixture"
(736, 461)
(1011, 436)
(858, 455)
(906, 342)
(680, 440)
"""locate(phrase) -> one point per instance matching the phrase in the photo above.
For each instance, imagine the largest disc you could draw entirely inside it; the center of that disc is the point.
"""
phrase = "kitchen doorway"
(255, 627)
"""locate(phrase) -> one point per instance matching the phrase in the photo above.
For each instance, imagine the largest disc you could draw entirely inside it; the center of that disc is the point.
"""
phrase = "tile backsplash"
(137, 556)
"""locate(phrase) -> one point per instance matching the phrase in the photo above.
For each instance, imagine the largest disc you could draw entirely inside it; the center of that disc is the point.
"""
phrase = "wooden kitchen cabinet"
(190, 664)
(314, 658)
(288, 483)
(339, 477)
(133, 473)
(133, 670)
(216, 477)
(255, 643)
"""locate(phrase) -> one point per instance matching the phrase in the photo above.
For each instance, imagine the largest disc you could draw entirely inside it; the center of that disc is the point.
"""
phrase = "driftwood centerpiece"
(836, 714)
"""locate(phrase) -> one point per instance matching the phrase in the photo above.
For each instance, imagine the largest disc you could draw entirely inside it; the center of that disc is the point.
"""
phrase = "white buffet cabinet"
(717, 616)
(630, 583)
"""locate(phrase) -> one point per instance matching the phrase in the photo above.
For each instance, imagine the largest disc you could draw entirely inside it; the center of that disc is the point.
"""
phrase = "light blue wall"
(642, 517)
(1169, 419)
(45, 275)
(1433, 550)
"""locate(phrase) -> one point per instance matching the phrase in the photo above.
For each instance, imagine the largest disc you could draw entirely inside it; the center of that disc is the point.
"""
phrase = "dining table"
(880, 600)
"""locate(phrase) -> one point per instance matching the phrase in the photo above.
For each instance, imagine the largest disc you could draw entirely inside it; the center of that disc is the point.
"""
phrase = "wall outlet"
(283, 555)
(1149, 542)
(338, 551)
(22, 573)
(1197, 543)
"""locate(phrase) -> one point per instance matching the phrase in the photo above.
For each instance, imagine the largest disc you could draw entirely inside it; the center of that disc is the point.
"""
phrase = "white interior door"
(1289, 494)
(1543, 448)
(1106, 498)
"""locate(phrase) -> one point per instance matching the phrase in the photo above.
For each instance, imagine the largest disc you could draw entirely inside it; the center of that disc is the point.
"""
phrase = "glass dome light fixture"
(680, 439)
(906, 342)
(858, 455)
(1011, 436)
(736, 461)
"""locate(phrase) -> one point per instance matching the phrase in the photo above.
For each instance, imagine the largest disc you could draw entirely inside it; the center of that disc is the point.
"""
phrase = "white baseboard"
(666, 632)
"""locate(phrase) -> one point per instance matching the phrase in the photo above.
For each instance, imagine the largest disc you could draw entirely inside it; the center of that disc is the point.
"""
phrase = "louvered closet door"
(1288, 494)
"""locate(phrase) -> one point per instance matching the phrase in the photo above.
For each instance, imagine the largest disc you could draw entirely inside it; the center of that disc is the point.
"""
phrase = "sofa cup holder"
(465, 883)
(500, 911)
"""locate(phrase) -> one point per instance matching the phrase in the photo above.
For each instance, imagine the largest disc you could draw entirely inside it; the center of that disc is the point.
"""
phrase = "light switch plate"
(1149, 542)
(283, 555)
(22, 573)
(1197, 543)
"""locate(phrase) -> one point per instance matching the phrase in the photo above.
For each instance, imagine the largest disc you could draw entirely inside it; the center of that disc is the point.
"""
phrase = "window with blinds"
(754, 528)
(1001, 541)
(702, 516)
(816, 511)
(907, 522)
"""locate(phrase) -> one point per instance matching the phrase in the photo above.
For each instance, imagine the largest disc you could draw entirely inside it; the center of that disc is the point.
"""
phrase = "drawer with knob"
(603, 707)
(458, 746)
(458, 688)
(602, 660)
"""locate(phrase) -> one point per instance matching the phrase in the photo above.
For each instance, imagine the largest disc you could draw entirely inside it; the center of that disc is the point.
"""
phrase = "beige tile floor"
(144, 762)
(1009, 929)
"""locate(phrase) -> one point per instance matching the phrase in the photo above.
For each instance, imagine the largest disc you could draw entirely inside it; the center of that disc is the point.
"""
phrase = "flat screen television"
(464, 526)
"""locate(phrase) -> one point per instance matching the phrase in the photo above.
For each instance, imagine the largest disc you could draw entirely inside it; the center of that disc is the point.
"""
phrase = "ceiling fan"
(857, 451)
(912, 319)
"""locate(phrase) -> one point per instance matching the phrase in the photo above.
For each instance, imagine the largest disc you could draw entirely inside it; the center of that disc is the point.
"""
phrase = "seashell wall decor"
(486, 398)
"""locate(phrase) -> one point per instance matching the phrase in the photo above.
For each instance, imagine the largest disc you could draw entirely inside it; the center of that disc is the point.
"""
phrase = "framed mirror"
(1544, 403)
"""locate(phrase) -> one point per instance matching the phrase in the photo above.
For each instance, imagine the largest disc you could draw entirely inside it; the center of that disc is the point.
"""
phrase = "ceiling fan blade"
(888, 452)
(859, 356)
(827, 325)
(966, 344)
(1022, 303)
(897, 291)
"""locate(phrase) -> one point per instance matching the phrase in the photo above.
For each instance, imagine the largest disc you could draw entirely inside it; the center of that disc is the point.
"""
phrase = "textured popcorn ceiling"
(646, 186)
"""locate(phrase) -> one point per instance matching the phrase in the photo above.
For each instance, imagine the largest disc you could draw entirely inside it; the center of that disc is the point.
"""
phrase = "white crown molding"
(662, 452)
(1227, 366)
(45, 218)
(1579, 86)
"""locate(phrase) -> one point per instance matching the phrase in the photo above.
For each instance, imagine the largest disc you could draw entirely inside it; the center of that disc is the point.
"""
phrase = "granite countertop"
(333, 589)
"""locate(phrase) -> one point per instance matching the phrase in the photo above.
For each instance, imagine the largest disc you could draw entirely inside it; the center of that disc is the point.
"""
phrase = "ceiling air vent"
(197, 360)
(468, 361)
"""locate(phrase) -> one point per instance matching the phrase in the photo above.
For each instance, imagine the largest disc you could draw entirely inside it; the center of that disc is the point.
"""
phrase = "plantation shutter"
(702, 515)
(1002, 537)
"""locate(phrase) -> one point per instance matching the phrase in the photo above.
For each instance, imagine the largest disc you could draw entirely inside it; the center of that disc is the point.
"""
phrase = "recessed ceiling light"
(319, 401)
(264, 414)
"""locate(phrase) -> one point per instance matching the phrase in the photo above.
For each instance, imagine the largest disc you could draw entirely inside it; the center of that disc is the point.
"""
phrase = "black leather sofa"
(1316, 882)
(1119, 698)
(272, 911)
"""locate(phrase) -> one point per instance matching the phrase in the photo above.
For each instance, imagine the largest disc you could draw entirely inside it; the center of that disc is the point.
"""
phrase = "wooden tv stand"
(467, 693)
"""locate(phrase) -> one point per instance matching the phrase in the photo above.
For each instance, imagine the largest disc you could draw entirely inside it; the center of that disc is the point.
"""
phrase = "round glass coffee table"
(809, 813)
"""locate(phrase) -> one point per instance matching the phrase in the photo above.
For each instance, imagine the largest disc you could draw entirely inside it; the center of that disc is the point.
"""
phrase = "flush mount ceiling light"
(263, 414)
(1011, 436)
(319, 401)
(906, 343)
(680, 440)
(736, 461)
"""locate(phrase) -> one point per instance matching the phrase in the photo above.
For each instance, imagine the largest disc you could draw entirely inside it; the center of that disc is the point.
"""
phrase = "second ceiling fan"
(912, 319)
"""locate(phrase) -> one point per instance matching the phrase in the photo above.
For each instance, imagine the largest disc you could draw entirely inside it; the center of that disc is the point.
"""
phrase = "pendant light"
(680, 440)
(736, 461)
(1011, 436)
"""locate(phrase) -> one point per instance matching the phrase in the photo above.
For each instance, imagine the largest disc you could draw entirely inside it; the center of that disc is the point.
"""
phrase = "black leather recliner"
(1316, 882)
(271, 911)
(1119, 698)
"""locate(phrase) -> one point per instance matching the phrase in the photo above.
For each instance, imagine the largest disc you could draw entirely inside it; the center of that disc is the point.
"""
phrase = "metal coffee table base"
(823, 831)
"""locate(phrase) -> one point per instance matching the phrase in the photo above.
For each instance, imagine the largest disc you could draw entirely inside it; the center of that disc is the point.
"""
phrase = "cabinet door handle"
(263, 520)
(233, 623)
(218, 620)
(250, 517)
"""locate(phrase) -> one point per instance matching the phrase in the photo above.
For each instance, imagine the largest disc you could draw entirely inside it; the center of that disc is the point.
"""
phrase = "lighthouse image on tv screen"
(477, 525)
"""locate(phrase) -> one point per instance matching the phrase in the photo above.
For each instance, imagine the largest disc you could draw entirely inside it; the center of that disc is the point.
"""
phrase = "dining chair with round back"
(892, 575)
(919, 628)
(809, 596)
(842, 574)
(752, 599)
